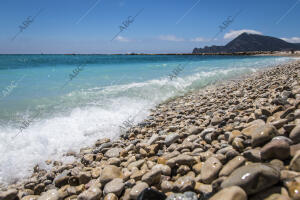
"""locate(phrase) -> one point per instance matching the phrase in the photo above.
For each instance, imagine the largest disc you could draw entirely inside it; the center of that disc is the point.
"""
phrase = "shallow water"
(44, 114)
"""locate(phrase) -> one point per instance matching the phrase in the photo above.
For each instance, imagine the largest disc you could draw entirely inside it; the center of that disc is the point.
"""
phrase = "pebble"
(295, 134)
(253, 178)
(232, 165)
(210, 170)
(137, 189)
(152, 176)
(181, 160)
(110, 172)
(171, 138)
(93, 193)
(276, 149)
(230, 193)
(184, 184)
(50, 195)
(113, 153)
(116, 186)
(263, 134)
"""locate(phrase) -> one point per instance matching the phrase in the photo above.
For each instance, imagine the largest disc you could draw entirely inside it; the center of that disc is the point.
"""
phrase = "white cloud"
(292, 39)
(234, 33)
(172, 38)
(198, 39)
(122, 39)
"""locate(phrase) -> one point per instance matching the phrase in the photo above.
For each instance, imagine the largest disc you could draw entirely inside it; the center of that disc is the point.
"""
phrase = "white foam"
(50, 137)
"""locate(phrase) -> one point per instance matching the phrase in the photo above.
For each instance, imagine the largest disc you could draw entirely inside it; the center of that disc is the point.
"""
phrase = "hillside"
(247, 42)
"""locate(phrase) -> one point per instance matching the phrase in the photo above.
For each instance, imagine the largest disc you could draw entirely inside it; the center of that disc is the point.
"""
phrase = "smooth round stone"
(164, 169)
(232, 165)
(263, 134)
(253, 178)
(93, 193)
(137, 189)
(295, 134)
(252, 126)
(113, 153)
(288, 140)
(210, 170)
(110, 172)
(252, 155)
(185, 183)
(116, 186)
(230, 193)
(152, 177)
(167, 186)
(171, 138)
(276, 149)
(154, 138)
(195, 130)
(181, 160)
(50, 195)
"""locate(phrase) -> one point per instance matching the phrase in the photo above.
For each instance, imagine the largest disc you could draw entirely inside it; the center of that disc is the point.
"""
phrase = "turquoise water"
(51, 104)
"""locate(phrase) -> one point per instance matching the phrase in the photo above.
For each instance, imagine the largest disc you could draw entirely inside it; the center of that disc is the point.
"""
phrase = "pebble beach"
(235, 140)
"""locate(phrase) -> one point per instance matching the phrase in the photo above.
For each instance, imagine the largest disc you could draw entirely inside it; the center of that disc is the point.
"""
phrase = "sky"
(140, 26)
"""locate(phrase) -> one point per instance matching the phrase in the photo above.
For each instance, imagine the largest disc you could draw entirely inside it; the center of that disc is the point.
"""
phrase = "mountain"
(247, 42)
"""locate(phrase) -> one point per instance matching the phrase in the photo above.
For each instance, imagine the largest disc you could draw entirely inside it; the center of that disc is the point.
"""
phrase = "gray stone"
(210, 170)
(116, 186)
(232, 165)
(152, 176)
(185, 183)
(50, 195)
(253, 178)
(154, 138)
(113, 153)
(110, 172)
(276, 149)
(164, 169)
(181, 160)
(171, 138)
(93, 193)
(263, 134)
(230, 193)
(137, 189)
(295, 134)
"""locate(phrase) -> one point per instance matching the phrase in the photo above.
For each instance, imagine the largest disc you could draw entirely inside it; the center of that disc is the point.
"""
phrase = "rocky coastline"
(237, 140)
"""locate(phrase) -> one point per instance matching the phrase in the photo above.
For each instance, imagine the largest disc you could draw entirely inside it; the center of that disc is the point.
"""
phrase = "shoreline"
(191, 143)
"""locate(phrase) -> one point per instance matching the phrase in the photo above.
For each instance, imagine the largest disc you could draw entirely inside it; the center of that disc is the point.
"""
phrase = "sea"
(54, 104)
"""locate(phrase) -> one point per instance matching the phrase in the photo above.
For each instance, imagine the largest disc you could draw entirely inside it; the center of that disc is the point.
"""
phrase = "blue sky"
(164, 26)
